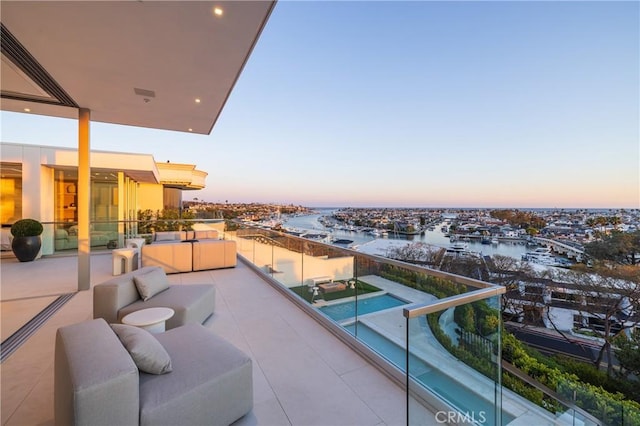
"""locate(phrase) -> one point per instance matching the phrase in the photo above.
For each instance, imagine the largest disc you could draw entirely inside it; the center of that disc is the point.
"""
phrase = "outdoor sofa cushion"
(215, 381)
(192, 303)
(144, 348)
(166, 236)
(95, 379)
(151, 283)
(172, 256)
(214, 254)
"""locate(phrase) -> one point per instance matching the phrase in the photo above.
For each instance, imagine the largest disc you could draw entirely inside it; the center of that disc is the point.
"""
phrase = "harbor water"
(436, 237)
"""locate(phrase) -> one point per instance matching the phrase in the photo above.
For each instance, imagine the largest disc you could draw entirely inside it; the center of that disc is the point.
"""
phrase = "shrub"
(464, 317)
(26, 228)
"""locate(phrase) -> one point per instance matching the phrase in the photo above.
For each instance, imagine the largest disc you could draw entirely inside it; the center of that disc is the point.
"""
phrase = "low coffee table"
(150, 319)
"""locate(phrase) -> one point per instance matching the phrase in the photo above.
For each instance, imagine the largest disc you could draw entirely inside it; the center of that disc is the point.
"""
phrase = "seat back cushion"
(95, 380)
(151, 283)
(211, 382)
(144, 348)
(206, 235)
(112, 295)
(170, 236)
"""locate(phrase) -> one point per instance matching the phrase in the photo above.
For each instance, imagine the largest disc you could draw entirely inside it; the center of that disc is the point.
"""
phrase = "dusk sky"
(416, 104)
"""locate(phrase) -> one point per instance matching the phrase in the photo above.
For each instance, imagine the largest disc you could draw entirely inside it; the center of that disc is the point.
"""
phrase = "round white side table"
(151, 319)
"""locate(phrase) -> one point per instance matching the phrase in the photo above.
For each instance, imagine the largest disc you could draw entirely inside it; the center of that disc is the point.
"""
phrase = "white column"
(121, 208)
(84, 196)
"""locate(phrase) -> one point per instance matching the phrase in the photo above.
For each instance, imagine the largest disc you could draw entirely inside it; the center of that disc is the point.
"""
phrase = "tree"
(519, 218)
(628, 353)
(413, 253)
(609, 303)
(520, 280)
(467, 266)
(620, 247)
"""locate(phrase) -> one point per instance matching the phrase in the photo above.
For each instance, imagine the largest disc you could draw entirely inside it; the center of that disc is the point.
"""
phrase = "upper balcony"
(181, 176)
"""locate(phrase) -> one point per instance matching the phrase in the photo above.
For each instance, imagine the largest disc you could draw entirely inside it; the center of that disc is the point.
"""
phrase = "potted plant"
(26, 239)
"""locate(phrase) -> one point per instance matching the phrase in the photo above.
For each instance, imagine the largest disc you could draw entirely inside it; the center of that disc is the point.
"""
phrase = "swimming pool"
(430, 377)
(342, 311)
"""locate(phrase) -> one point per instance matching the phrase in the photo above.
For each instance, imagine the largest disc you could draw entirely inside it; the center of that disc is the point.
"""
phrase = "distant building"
(563, 306)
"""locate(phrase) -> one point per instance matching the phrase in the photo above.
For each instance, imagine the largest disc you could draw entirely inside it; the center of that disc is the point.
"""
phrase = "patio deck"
(303, 375)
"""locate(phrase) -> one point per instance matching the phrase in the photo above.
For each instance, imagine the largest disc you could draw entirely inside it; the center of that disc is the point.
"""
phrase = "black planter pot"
(26, 248)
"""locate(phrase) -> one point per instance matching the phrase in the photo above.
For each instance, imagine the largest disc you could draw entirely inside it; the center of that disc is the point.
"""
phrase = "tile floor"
(303, 375)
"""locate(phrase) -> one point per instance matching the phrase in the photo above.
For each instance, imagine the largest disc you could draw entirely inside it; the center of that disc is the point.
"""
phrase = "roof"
(139, 167)
(130, 62)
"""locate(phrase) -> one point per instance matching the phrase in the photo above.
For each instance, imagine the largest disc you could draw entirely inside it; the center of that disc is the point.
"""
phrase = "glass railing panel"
(281, 260)
(543, 401)
(245, 242)
(609, 409)
(329, 274)
(454, 361)
(273, 253)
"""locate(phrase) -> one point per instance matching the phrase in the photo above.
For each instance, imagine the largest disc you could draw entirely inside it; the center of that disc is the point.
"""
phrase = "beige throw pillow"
(151, 283)
(147, 353)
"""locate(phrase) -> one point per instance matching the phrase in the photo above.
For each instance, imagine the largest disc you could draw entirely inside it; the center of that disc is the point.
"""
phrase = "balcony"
(302, 373)
(327, 329)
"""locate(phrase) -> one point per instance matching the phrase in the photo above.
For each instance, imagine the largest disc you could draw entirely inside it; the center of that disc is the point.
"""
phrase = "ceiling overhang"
(159, 64)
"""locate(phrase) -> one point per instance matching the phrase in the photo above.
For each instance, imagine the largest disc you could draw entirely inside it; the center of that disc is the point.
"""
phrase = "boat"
(495, 241)
(343, 242)
(485, 240)
(324, 238)
(458, 247)
(541, 255)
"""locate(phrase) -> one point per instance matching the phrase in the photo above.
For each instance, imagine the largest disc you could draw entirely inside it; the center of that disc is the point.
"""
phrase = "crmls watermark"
(458, 417)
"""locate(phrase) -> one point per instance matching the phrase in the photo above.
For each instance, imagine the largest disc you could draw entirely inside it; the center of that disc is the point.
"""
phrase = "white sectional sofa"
(186, 251)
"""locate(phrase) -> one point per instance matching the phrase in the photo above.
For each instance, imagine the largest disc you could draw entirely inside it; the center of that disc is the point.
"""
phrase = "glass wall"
(11, 192)
(66, 197)
(103, 209)
(172, 198)
(10, 199)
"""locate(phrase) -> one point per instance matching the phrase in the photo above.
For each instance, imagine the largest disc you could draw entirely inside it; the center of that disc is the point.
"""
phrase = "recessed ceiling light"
(197, 100)
(27, 110)
(217, 11)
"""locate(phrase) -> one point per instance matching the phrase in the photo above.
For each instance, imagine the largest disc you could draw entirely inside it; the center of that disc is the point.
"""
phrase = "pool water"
(342, 311)
(447, 388)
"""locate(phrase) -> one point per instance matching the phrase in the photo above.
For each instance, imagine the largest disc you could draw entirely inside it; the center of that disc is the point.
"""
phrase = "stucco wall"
(150, 197)
(293, 269)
